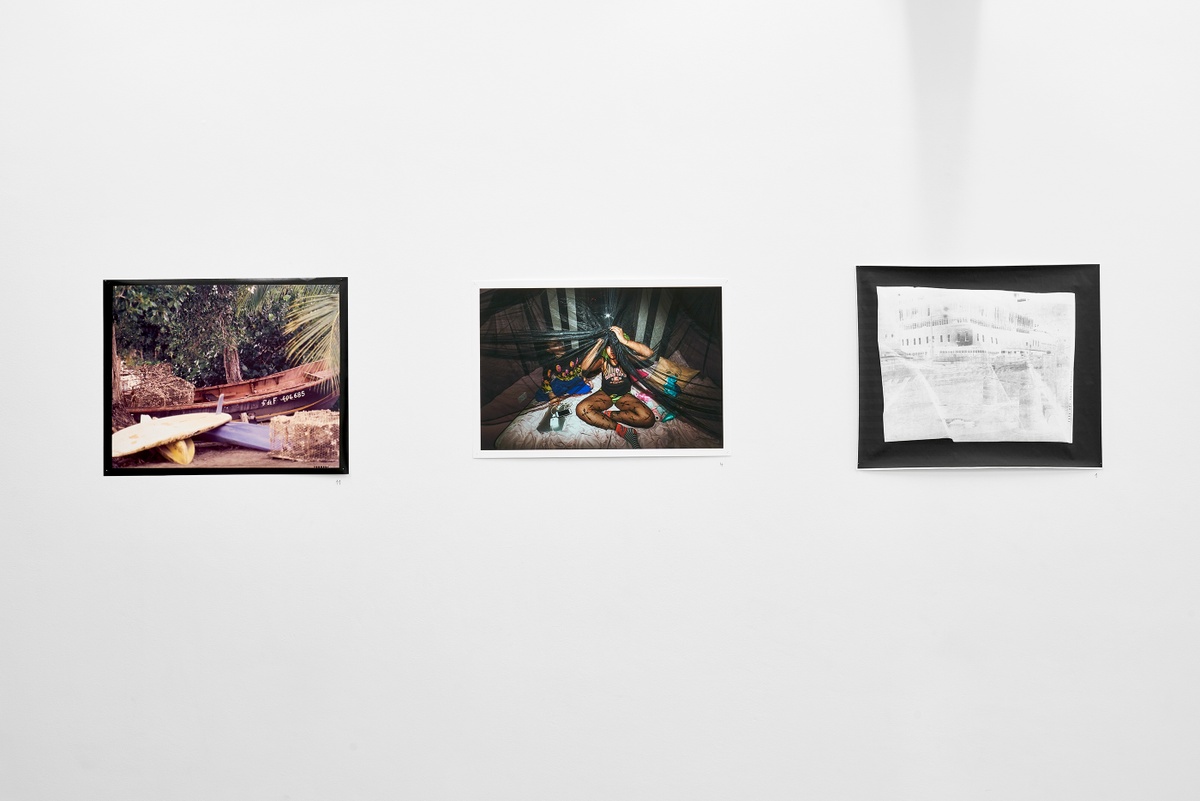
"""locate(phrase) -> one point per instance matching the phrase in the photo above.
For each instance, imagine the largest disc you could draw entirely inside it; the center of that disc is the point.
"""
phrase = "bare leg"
(591, 410)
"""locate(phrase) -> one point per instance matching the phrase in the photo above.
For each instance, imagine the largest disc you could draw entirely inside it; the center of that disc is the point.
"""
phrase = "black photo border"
(1085, 448)
(343, 467)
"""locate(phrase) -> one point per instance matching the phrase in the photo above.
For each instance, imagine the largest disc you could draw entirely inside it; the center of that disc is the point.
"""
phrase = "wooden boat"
(302, 388)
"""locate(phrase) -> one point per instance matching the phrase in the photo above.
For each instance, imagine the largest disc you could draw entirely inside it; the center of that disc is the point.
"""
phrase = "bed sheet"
(523, 434)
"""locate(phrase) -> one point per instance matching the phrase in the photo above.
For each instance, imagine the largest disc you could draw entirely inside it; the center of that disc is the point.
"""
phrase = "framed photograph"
(600, 371)
(979, 366)
(225, 376)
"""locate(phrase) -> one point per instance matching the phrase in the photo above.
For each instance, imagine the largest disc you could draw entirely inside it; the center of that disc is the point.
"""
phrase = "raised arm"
(589, 361)
(637, 347)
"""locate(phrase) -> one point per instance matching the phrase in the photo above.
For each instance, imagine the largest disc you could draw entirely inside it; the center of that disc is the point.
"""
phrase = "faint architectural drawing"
(975, 365)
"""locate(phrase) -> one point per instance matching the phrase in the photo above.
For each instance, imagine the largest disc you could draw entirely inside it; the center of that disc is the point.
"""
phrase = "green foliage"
(199, 332)
(190, 326)
(142, 314)
(264, 348)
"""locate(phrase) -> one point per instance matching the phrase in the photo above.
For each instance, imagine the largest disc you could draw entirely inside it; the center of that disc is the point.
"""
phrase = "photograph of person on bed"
(616, 389)
(624, 370)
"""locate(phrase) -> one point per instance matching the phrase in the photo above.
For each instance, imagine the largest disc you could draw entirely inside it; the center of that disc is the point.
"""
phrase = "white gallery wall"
(770, 624)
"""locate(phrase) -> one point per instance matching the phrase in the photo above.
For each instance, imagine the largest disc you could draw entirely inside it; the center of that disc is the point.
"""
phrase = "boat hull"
(303, 388)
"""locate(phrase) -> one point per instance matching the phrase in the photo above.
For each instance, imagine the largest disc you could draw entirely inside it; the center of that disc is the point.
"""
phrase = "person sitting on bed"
(615, 389)
(563, 377)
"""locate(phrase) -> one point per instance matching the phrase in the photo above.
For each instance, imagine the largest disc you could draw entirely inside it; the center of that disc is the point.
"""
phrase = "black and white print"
(976, 365)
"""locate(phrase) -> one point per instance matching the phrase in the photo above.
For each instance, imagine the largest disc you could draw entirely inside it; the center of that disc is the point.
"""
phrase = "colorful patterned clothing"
(563, 377)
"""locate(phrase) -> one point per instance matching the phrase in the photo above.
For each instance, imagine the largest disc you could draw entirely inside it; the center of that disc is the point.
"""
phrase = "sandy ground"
(974, 401)
(216, 455)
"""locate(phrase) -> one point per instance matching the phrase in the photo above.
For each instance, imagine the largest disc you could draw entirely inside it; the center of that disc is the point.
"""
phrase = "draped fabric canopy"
(518, 328)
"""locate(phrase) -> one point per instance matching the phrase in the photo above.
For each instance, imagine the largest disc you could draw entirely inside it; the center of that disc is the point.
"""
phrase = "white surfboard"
(155, 431)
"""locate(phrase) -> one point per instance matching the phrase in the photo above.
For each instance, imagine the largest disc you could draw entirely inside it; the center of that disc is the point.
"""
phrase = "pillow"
(664, 369)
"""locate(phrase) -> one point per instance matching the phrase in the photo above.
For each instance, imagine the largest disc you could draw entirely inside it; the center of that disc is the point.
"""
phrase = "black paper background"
(1083, 451)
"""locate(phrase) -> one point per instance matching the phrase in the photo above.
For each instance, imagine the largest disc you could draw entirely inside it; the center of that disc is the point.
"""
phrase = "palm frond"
(314, 320)
(255, 296)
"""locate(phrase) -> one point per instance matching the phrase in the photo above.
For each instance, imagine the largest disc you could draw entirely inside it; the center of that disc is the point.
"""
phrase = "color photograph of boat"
(266, 357)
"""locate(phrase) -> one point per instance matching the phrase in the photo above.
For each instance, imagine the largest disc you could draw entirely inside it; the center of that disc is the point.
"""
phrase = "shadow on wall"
(943, 41)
